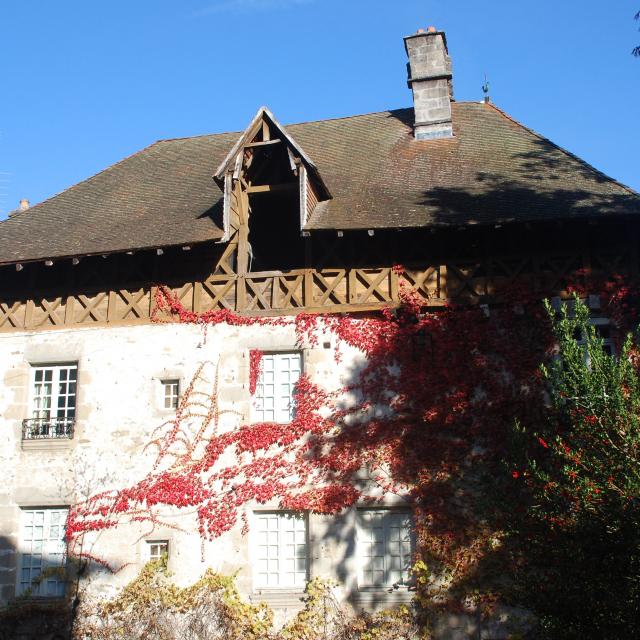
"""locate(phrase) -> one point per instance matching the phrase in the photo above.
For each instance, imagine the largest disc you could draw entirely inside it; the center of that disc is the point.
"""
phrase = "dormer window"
(270, 189)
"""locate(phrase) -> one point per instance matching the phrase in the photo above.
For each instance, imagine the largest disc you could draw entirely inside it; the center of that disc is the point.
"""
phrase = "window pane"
(42, 550)
(280, 550)
(171, 391)
(273, 400)
(54, 387)
(384, 547)
(157, 549)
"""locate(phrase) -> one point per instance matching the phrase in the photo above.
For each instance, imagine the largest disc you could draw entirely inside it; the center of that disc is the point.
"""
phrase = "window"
(171, 390)
(53, 401)
(42, 552)
(384, 547)
(157, 549)
(273, 399)
(603, 331)
(280, 550)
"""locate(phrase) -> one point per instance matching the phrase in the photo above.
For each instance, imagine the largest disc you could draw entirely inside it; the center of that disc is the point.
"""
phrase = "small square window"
(171, 391)
(157, 549)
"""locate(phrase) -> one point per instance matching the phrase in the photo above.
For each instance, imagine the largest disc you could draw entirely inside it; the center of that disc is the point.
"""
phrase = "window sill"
(279, 598)
(46, 444)
(42, 601)
(375, 596)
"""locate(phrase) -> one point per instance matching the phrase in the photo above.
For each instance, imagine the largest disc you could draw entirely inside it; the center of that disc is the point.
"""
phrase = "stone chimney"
(22, 206)
(430, 80)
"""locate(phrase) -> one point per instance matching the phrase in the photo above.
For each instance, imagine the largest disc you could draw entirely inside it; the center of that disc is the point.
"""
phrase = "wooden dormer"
(271, 188)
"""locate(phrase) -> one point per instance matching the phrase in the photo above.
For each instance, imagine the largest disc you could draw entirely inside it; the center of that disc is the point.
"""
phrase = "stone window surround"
(158, 389)
(157, 542)
(32, 364)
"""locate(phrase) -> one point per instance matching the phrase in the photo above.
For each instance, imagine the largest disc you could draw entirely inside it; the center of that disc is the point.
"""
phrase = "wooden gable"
(266, 159)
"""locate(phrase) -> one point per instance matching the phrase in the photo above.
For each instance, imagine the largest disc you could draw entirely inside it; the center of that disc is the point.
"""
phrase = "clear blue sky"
(86, 83)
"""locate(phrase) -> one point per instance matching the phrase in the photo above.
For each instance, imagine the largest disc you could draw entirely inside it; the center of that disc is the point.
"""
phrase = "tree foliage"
(580, 473)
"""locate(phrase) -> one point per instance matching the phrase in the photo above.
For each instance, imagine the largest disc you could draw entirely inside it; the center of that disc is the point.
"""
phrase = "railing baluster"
(47, 428)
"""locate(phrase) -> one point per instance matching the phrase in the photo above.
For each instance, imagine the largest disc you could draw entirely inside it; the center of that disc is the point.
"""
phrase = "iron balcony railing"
(47, 428)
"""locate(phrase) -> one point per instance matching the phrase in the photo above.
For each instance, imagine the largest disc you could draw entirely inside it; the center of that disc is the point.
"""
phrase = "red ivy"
(255, 360)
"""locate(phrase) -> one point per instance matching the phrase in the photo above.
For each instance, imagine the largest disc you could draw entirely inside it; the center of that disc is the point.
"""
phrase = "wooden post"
(393, 285)
(307, 288)
(28, 314)
(443, 293)
(241, 293)
(352, 283)
(111, 308)
(197, 297)
(152, 299)
(68, 310)
(243, 232)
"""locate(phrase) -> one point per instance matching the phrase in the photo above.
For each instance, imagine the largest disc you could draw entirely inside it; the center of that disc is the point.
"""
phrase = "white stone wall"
(119, 403)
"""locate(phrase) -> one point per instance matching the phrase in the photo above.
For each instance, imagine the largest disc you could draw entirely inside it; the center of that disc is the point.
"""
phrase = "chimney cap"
(24, 204)
(430, 32)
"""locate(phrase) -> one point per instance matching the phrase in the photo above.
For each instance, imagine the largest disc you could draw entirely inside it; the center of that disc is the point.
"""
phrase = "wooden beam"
(264, 143)
(270, 188)
(243, 234)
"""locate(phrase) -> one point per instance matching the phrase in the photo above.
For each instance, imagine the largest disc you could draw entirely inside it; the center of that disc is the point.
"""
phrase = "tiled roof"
(493, 171)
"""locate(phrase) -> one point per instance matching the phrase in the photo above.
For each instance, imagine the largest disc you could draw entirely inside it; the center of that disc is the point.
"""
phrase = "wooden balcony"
(256, 293)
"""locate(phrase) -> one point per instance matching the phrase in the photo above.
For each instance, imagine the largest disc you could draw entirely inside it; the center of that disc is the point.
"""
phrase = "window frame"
(294, 587)
(36, 426)
(387, 585)
(56, 367)
(164, 383)
(607, 343)
(148, 557)
(28, 588)
(256, 398)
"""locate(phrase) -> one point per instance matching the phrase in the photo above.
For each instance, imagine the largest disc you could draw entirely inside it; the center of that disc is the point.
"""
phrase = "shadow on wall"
(37, 618)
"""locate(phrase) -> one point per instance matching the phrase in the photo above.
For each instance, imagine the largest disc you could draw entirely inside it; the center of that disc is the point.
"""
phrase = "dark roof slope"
(161, 196)
(493, 171)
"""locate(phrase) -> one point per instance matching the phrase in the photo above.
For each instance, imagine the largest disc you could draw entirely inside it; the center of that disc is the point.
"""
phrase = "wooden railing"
(258, 293)
(309, 290)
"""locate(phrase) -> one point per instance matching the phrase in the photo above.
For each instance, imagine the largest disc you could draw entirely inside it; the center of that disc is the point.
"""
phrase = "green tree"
(580, 471)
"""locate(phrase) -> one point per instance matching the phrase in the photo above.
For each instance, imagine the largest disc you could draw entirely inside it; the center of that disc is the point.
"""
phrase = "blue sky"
(85, 84)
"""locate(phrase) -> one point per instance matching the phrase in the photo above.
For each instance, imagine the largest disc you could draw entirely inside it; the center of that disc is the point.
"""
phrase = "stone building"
(266, 223)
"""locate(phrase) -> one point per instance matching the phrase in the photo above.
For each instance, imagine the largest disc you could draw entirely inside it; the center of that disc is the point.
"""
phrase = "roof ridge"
(562, 149)
(289, 124)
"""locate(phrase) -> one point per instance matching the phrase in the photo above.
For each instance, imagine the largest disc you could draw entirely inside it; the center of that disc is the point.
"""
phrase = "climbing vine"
(428, 412)
(255, 360)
